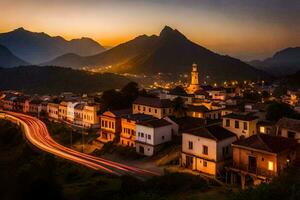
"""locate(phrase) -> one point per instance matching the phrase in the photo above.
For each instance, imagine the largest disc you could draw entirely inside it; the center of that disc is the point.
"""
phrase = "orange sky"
(242, 30)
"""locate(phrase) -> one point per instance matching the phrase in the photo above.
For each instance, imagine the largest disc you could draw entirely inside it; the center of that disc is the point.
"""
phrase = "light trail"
(37, 133)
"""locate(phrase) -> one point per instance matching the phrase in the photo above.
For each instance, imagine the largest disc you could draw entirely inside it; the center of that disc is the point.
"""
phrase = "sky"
(246, 29)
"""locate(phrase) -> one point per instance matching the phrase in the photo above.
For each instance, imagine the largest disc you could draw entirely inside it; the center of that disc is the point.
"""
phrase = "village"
(223, 132)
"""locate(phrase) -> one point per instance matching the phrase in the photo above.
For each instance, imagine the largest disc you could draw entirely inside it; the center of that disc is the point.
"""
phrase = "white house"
(71, 111)
(206, 149)
(150, 135)
(243, 125)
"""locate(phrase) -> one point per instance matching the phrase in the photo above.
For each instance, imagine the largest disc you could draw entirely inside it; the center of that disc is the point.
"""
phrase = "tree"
(179, 107)
(112, 99)
(130, 92)
(275, 111)
(178, 90)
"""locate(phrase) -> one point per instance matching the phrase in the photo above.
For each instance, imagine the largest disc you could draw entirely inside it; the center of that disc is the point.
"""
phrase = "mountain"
(282, 63)
(40, 47)
(54, 80)
(8, 59)
(169, 52)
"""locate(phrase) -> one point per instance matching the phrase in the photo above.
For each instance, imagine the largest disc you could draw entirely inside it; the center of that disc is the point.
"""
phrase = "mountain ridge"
(168, 52)
(8, 59)
(38, 47)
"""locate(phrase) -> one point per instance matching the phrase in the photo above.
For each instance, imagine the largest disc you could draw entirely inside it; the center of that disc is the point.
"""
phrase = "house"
(183, 124)
(266, 127)
(128, 123)
(151, 135)
(85, 115)
(111, 124)
(62, 111)
(203, 112)
(35, 106)
(156, 107)
(52, 110)
(206, 149)
(21, 104)
(90, 118)
(288, 128)
(71, 111)
(242, 124)
(261, 157)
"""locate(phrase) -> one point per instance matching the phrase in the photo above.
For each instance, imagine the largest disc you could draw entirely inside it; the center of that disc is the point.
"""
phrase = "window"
(144, 108)
(262, 159)
(190, 145)
(245, 126)
(142, 134)
(155, 110)
(291, 134)
(139, 134)
(262, 129)
(236, 124)
(204, 164)
(164, 111)
(139, 108)
(205, 150)
(227, 123)
(113, 125)
(149, 109)
(270, 165)
(162, 137)
(149, 137)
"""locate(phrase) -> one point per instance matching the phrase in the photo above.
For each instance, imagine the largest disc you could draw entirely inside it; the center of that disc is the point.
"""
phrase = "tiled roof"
(153, 102)
(288, 123)
(197, 108)
(187, 123)
(244, 117)
(214, 132)
(138, 117)
(120, 113)
(264, 142)
(155, 123)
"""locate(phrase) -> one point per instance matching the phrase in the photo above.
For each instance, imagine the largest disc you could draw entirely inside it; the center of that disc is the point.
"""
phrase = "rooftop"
(214, 132)
(155, 123)
(188, 123)
(153, 102)
(288, 123)
(138, 117)
(264, 142)
(241, 116)
(197, 108)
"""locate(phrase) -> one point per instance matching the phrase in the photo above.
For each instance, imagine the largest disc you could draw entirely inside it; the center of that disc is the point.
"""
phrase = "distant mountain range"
(39, 47)
(284, 62)
(54, 80)
(170, 52)
(8, 59)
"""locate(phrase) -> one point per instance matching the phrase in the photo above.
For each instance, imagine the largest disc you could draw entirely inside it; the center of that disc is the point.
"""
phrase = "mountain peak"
(168, 31)
(20, 29)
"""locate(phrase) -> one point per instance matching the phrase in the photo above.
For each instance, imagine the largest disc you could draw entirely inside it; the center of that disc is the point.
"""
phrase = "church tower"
(195, 83)
(194, 75)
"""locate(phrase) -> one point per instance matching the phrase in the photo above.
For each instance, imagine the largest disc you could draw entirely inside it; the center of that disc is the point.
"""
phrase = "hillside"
(170, 52)
(8, 59)
(284, 62)
(54, 80)
(40, 47)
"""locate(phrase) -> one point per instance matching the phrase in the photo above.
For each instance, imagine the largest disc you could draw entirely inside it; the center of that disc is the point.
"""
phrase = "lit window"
(270, 165)
(262, 129)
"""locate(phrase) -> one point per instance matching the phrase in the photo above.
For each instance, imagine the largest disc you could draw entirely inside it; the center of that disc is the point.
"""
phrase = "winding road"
(37, 134)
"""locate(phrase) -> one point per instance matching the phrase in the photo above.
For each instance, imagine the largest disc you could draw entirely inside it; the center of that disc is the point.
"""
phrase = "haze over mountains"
(284, 62)
(169, 52)
(8, 59)
(40, 47)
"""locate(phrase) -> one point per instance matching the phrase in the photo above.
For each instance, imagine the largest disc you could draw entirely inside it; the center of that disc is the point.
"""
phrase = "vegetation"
(179, 107)
(54, 80)
(277, 110)
(114, 100)
(286, 186)
(32, 174)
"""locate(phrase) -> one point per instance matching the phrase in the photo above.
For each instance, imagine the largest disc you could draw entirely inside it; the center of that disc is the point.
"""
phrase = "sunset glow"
(246, 31)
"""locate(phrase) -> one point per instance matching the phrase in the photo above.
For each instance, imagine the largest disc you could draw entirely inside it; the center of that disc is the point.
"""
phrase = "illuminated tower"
(195, 75)
(195, 83)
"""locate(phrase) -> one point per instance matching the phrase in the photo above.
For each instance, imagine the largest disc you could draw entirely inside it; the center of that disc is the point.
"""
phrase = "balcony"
(245, 168)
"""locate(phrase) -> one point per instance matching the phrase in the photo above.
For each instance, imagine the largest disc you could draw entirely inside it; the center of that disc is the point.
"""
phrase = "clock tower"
(195, 83)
